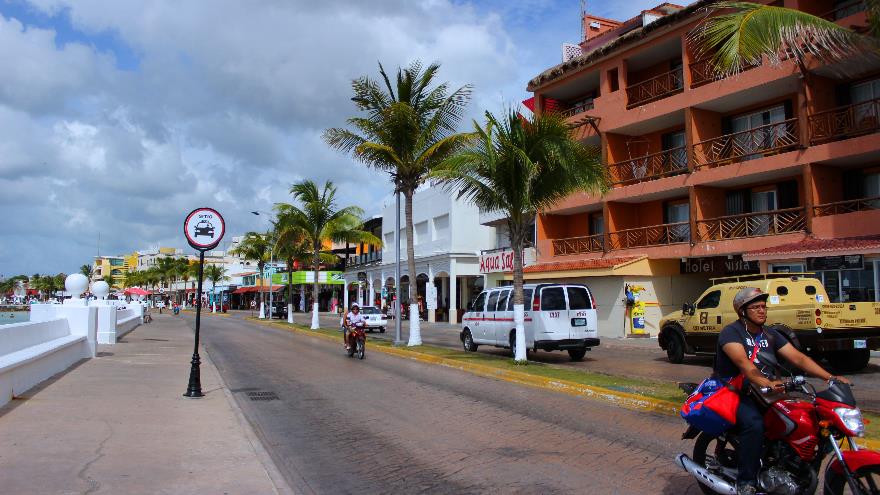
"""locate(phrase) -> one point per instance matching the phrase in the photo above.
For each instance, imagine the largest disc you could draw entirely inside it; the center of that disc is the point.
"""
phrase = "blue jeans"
(750, 432)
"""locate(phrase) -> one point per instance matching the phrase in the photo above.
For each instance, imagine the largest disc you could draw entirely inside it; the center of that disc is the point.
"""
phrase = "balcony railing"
(654, 166)
(656, 235)
(702, 72)
(655, 88)
(845, 122)
(755, 224)
(844, 10)
(363, 259)
(765, 140)
(849, 206)
(579, 245)
(576, 109)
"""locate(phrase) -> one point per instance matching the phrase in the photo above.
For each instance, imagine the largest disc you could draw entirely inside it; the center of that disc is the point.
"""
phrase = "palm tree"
(110, 279)
(742, 33)
(192, 271)
(519, 167)
(87, 270)
(409, 128)
(320, 221)
(181, 269)
(292, 246)
(215, 273)
(256, 247)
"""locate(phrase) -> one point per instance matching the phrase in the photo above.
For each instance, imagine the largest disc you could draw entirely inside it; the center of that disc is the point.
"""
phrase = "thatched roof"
(587, 59)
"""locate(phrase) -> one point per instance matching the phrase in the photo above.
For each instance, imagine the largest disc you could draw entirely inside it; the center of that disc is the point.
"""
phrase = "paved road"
(390, 425)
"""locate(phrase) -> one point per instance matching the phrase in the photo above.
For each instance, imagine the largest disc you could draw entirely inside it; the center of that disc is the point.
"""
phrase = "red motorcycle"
(357, 340)
(801, 427)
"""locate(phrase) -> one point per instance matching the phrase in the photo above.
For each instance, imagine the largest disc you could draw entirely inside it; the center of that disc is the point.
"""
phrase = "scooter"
(357, 341)
(802, 427)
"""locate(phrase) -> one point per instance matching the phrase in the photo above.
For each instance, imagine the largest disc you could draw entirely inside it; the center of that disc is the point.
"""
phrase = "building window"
(441, 227)
(751, 143)
(421, 233)
(787, 268)
(852, 285)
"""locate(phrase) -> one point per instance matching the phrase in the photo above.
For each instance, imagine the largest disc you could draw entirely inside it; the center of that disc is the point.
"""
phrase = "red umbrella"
(137, 292)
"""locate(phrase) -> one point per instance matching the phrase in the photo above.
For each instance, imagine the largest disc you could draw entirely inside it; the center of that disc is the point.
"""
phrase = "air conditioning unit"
(594, 25)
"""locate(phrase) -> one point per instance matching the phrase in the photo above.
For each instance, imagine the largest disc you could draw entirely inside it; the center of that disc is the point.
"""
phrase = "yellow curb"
(622, 399)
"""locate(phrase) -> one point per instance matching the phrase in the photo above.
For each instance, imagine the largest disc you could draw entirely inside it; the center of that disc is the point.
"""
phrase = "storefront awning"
(811, 248)
(594, 267)
(256, 288)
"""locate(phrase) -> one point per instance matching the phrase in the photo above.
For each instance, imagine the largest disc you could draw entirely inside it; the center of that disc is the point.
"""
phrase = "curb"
(621, 399)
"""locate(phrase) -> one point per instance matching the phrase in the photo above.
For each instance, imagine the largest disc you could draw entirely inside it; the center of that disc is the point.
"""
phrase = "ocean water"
(14, 317)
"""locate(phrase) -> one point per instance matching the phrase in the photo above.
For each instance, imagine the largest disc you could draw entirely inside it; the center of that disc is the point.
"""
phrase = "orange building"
(768, 170)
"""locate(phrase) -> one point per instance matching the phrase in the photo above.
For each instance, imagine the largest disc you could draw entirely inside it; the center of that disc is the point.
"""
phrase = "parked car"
(279, 309)
(375, 318)
(557, 317)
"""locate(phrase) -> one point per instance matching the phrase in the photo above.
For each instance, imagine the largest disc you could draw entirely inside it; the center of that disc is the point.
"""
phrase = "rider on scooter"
(738, 340)
(353, 319)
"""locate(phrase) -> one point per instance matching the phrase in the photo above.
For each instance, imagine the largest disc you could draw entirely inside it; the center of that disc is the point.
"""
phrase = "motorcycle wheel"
(867, 477)
(718, 451)
(350, 349)
(361, 347)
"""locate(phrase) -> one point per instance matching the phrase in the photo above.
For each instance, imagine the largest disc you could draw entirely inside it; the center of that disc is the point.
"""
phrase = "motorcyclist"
(739, 340)
(353, 319)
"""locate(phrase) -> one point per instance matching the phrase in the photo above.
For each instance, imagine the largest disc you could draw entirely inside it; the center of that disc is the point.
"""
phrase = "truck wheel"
(674, 347)
(577, 354)
(467, 342)
(849, 361)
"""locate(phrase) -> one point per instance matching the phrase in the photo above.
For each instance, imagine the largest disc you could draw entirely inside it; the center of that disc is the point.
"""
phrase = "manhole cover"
(262, 396)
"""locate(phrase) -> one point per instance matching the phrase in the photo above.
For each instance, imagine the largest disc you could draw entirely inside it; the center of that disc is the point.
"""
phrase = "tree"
(110, 279)
(743, 33)
(215, 273)
(291, 244)
(256, 247)
(519, 167)
(320, 221)
(87, 270)
(182, 269)
(409, 128)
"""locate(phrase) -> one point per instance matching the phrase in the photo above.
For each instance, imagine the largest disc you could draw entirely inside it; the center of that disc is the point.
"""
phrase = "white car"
(557, 317)
(375, 318)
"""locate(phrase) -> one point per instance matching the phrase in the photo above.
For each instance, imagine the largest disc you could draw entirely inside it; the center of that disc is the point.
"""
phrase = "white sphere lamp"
(76, 284)
(101, 289)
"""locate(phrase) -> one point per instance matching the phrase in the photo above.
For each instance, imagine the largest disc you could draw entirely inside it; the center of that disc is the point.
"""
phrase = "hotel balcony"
(665, 163)
(655, 88)
(845, 122)
(702, 72)
(764, 140)
(756, 224)
(655, 235)
(579, 245)
(577, 108)
(364, 259)
(850, 206)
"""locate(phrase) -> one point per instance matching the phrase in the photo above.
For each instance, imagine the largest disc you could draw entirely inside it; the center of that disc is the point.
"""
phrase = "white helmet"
(355, 305)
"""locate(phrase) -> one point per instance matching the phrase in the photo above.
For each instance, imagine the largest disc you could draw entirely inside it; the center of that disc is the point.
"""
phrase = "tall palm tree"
(215, 273)
(256, 247)
(519, 167)
(181, 269)
(320, 221)
(743, 33)
(110, 279)
(292, 245)
(87, 270)
(409, 128)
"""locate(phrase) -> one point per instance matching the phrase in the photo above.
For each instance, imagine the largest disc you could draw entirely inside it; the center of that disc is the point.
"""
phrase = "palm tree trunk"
(290, 290)
(415, 334)
(516, 244)
(316, 263)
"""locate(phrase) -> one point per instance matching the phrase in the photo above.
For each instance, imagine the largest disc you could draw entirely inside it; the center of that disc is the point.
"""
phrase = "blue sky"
(119, 117)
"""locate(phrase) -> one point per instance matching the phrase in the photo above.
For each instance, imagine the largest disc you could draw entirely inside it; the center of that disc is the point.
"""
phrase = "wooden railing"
(703, 72)
(744, 145)
(654, 88)
(654, 166)
(844, 10)
(755, 224)
(844, 122)
(576, 109)
(849, 206)
(656, 235)
(579, 245)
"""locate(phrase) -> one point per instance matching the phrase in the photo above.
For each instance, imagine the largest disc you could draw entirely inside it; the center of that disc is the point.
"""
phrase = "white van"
(557, 317)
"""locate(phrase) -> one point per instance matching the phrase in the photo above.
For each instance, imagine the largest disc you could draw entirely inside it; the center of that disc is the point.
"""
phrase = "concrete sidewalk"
(119, 424)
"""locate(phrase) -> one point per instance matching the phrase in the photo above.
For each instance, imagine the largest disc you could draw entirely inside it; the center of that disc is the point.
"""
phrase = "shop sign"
(497, 261)
(848, 262)
(719, 265)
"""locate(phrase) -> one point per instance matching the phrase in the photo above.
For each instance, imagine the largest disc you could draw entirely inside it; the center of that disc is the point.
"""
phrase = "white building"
(448, 239)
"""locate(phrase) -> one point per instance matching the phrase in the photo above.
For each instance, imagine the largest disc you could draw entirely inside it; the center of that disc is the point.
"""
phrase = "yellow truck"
(798, 306)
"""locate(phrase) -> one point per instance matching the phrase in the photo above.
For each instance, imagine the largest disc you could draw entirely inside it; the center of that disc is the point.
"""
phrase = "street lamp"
(271, 271)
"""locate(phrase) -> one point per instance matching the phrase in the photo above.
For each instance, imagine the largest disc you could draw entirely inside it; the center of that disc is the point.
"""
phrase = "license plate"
(860, 344)
(578, 322)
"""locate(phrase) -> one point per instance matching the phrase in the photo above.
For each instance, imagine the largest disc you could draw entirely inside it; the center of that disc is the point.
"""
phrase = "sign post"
(203, 228)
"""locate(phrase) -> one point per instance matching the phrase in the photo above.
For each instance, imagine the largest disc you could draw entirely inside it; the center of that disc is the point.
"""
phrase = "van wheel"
(674, 347)
(849, 361)
(513, 346)
(468, 342)
(577, 354)
(382, 330)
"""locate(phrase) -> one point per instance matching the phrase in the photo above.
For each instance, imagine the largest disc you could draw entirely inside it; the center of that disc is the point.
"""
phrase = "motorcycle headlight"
(852, 419)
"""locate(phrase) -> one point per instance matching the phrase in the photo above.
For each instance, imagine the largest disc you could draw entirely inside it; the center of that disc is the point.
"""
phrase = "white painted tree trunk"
(289, 313)
(316, 324)
(415, 332)
(214, 306)
(519, 323)
(262, 311)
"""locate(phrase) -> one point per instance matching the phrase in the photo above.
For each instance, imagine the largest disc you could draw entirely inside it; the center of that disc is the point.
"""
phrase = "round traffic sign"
(204, 228)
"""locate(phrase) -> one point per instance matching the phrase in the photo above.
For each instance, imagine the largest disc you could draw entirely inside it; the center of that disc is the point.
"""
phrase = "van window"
(711, 300)
(493, 300)
(502, 301)
(552, 299)
(810, 290)
(527, 300)
(479, 303)
(782, 290)
(578, 298)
